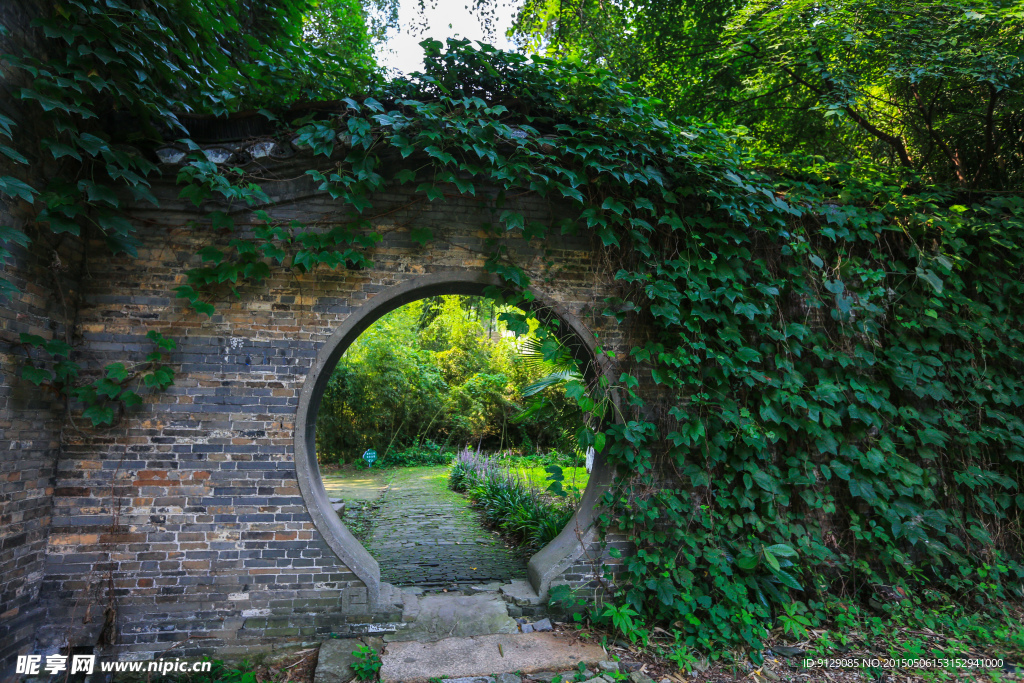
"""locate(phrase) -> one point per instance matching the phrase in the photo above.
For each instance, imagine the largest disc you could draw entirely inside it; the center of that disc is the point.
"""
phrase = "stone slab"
(334, 662)
(444, 615)
(415, 662)
(334, 665)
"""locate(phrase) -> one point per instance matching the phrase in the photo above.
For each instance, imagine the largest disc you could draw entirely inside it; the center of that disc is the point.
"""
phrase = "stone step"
(410, 606)
(521, 594)
(391, 595)
(444, 615)
(418, 662)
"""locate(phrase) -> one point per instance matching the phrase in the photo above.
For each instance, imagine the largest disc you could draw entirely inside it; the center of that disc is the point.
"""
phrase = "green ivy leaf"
(60, 149)
(16, 188)
(35, 375)
(614, 206)
(58, 348)
(66, 371)
(31, 339)
(99, 414)
(765, 482)
(433, 192)
(203, 307)
(12, 153)
(421, 235)
(117, 372)
(105, 387)
(99, 193)
(9, 234)
(211, 253)
(130, 398)
(6, 126)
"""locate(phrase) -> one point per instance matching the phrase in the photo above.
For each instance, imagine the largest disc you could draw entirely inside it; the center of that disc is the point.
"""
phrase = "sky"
(447, 19)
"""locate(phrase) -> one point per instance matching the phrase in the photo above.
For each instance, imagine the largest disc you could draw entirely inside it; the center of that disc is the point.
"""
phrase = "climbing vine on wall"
(830, 396)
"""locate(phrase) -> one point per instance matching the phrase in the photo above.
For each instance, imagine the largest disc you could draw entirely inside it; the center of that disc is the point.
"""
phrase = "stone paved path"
(426, 535)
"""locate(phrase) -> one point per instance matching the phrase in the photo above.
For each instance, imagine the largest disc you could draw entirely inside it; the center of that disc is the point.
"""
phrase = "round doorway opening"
(430, 400)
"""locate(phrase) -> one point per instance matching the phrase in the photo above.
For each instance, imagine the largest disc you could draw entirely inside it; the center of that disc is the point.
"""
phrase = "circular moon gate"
(548, 563)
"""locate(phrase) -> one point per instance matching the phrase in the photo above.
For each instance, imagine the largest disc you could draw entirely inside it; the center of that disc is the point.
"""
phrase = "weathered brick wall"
(183, 524)
(31, 423)
(47, 274)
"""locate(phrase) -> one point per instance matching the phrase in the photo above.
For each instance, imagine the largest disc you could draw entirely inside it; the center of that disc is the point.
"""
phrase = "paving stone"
(375, 643)
(607, 665)
(542, 625)
(507, 678)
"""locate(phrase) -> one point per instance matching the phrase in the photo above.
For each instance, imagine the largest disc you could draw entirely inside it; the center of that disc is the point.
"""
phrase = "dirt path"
(426, 535)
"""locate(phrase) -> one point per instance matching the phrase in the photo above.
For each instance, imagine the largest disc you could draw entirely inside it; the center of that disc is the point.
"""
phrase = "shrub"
(467, 469)
(507, 502)
(428, 453)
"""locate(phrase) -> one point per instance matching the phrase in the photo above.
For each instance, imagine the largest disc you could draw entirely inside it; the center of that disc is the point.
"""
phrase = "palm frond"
(550, 380)
(548, 352)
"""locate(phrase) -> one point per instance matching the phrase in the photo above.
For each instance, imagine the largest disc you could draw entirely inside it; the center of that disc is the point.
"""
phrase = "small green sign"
(370, 456)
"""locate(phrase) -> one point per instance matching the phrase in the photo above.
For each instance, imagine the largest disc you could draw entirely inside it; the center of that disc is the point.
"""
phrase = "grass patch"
(537, 477)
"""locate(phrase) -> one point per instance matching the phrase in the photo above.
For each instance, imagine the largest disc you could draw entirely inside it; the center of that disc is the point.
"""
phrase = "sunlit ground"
(366, 484)
(352, 484)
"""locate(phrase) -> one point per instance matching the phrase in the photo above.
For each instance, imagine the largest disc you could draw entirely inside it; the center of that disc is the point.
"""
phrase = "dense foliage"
(933, 86)
(837, 349)
(438, 374)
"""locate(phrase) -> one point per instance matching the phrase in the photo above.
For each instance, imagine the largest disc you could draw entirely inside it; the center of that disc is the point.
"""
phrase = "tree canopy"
(937, 87)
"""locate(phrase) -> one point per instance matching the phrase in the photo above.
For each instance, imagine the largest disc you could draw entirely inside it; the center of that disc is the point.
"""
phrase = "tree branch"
(894, 141)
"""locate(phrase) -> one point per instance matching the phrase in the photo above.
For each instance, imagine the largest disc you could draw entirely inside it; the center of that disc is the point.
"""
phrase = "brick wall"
(183, 524)
(47, 274)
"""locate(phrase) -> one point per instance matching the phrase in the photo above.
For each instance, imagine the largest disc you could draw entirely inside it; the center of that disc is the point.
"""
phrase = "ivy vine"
(839, 359)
